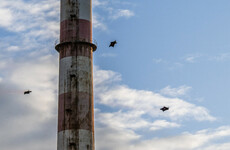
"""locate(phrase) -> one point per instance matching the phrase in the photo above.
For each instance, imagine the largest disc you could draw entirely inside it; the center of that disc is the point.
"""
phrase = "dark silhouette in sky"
(164, 108)
(27, 92)
(112, 44)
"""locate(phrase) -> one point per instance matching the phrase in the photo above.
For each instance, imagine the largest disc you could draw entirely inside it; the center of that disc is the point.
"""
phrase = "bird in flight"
(112, 44)
(27, 92)
(164, 108)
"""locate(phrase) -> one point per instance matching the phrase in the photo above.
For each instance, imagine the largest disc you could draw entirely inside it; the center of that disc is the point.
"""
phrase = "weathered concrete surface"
(76, 106)
(70, 140)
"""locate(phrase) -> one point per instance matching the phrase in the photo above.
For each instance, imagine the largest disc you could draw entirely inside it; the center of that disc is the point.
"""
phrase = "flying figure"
(164, 108)
(27, 92)
(112, 44)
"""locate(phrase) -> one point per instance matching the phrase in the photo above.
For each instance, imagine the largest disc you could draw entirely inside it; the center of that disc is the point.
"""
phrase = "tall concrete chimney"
(75, 101)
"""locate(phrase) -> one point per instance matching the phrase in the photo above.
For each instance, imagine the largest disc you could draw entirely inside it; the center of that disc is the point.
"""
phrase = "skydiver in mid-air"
(112, 44)
(27, 92)
(164, 108)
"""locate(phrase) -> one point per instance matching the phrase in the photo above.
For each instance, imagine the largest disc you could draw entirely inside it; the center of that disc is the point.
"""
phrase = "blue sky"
(169, 53)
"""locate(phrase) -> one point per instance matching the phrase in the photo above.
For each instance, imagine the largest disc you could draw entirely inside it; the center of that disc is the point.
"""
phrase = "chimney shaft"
(75, 101)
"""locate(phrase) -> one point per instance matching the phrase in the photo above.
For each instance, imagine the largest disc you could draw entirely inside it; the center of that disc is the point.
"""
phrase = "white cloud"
(200, 140)
(98, 22)
(2, 64)
(108, 55)
(159, 124)
(134, 110)
(29, 15)
(6, 18)
(170, 65)
(222, 146)
(221, 57)
(200, 99)
(158, 60)
(29, 116)
(192, 58)
(114, 139)
(13, 48)
(30, 22)
(102, 77)
(118, 129)
(122, 13)
(35, 115)
(147, 101)
(115, 12)
(33, 25)
(123, 120)
(175, 92)
(97, 3)
(37, 76)
(186, 141)
(176, 65)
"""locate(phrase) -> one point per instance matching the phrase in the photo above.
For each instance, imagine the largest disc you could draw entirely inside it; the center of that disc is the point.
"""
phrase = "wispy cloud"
(31, 15)
(112, 127)
(195, 58)
(29, 23)
(159, 60)
(13, 48)
(34, 114)
(221, 57)
(170, 65)
(97, 3)
(98, 22)
(160, 124)
(148, 102)
(122, 120)
(133, 110)
(112, 10)
(176, 65)
(188, 141)
(108, 55)
(175, 92)
(7, 17)
(221, 146)
(122, 13)
(192, 58)
(115, 139)
(32, 26)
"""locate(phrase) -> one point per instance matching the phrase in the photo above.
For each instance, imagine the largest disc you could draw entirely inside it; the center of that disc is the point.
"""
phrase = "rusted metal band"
(75, 44)
(77, 29)
(68, 50)
(75, 111)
